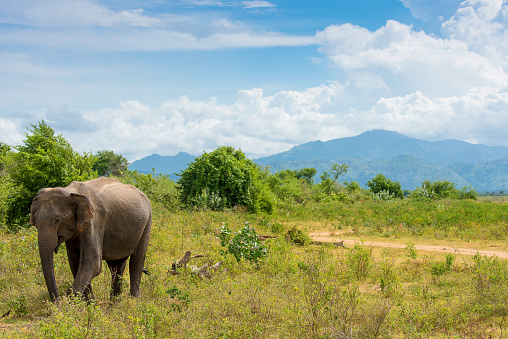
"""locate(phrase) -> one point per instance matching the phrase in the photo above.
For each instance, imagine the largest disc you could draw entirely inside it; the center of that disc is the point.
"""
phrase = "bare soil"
(329, 237)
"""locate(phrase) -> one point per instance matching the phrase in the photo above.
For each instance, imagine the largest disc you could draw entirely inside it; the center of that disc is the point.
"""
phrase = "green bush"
(441, 267)
(298, 237)
(359, 261)
(381, 184)
(222, 179)
(467, 193)
(243, 244)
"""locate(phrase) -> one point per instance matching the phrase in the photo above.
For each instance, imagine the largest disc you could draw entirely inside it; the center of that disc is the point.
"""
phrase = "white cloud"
(432, 12)
(57, 13)
(92, 27)
(245, 4)
(483, 26)
(9, 132)
(479, 116)
(263, 125)
(401, 61)
(257, 4)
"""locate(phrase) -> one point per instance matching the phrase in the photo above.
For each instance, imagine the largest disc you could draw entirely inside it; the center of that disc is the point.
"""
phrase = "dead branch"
(204, 271)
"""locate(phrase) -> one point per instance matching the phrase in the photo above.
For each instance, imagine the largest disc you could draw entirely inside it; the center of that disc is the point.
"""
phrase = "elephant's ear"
(84, 210)
(33, 211)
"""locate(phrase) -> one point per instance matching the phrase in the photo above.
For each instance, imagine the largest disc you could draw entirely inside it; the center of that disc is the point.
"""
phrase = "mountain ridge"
(382, 144)
(401, 158)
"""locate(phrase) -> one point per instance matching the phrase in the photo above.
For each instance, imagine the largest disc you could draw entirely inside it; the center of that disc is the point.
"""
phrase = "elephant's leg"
(137, 261)
(117, 267)
(73, 256)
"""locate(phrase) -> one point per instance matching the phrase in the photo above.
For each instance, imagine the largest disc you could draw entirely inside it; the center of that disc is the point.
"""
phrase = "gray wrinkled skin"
(100, 219)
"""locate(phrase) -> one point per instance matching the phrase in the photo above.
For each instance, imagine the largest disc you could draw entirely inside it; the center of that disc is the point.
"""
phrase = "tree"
(328, 181)
(109, 163)
(44, 160)
(221, 179)
(4, 151)
(380, 184)
(6, 185)
(307, 174)
(291, 186)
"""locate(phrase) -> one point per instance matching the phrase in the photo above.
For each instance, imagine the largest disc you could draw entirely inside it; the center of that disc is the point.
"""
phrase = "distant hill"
(485, 176)
(163, 164)
(381, 144)
(407, 160)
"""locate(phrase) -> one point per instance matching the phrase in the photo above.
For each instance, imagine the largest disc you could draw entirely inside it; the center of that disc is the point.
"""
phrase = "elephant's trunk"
(48, 244)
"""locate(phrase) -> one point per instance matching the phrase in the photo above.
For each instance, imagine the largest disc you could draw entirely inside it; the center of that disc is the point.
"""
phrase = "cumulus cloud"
(401, 61)
(395, 78)
(479, 116)
(263, 125)
(10, 133)
(483, 26)
(433, 12)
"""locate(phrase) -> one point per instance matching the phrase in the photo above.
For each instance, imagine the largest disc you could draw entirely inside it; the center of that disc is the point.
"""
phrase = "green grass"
(295, 292)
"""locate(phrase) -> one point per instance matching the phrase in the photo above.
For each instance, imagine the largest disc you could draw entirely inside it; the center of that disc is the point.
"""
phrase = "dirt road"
(327, 237)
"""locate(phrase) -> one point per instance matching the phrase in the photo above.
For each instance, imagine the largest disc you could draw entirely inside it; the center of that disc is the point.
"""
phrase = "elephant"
(99, 219)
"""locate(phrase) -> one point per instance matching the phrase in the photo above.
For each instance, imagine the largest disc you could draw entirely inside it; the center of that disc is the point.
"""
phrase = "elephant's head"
(59, 215)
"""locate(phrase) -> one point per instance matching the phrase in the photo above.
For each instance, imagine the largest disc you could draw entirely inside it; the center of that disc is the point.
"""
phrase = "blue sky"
(144, 77)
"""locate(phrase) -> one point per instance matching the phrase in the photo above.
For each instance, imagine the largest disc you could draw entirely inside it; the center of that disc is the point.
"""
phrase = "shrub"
(298, 237)
(359, 261)
(380, 183)
(440, 188)
(441, 268)
(468, 193)
(242, 244)
(222, 179)
(422, 194)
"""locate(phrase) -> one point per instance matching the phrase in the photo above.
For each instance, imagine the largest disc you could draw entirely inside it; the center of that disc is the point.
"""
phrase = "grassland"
(315, 291)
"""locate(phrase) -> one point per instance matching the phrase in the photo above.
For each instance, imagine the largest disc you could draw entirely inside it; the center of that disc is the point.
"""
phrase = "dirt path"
(327, 237)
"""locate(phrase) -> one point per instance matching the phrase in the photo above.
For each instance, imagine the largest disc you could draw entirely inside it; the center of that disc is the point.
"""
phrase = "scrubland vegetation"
(282, 287)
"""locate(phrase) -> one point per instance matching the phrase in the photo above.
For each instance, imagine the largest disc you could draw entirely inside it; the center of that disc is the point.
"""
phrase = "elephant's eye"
(57, 220)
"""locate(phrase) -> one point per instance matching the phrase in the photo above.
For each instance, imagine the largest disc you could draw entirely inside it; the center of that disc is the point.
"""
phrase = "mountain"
(163, 164)
(485, 176)
(381, 144)
(407, 160)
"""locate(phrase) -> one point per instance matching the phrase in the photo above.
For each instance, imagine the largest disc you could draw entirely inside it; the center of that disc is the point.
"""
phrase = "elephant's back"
(118, 195)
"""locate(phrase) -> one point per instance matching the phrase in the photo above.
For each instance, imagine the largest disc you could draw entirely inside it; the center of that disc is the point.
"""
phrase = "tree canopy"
(44, 160)
(109, 163)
